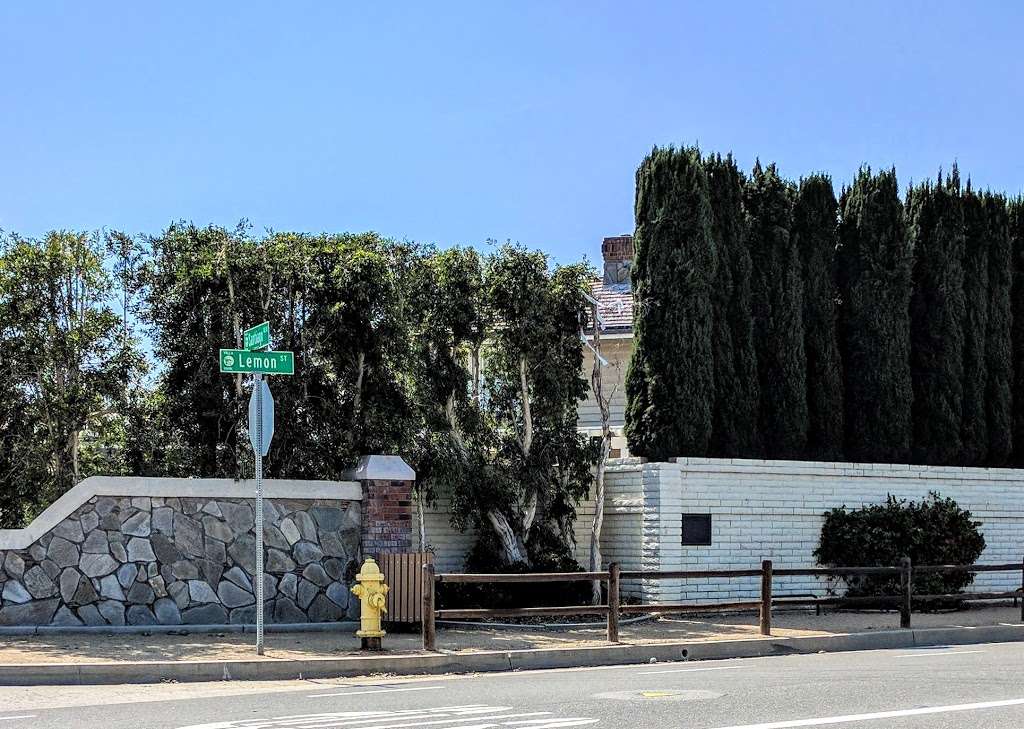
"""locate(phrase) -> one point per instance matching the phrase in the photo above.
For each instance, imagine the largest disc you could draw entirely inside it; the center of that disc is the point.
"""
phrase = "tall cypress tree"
(999, 390)
(777, 305)
(815, 217)
(1017, 313)
(735, 432)
(669, 384)
(974, 429)
(875, 264)
(936, 232)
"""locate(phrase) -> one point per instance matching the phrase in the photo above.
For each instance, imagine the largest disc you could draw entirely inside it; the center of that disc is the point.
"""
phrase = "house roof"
(615, 305)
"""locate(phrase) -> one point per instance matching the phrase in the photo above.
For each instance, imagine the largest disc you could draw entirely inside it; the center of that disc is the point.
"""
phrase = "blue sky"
(456, 122)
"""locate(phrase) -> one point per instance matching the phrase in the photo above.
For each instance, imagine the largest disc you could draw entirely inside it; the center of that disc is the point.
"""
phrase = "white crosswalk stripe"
(471, 716)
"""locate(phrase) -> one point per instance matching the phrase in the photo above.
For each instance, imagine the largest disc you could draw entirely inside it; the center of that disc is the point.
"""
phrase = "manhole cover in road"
(657, 695)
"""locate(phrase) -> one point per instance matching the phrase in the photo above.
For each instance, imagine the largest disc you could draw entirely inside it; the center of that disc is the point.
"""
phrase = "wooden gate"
(403, 573)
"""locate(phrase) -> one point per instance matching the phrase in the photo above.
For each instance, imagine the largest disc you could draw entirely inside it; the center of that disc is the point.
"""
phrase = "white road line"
(935, 654)
(376, 691)
(20, 716)
(850, 718)
(449, 721)
(693, 670)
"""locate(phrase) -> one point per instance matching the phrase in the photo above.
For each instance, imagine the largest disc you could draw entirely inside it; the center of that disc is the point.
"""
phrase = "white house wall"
(617, 352)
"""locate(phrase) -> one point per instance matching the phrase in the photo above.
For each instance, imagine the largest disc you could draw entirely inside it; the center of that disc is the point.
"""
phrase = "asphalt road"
(934, 688)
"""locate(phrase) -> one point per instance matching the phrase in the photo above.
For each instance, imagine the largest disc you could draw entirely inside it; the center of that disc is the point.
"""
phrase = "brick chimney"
(618, 258)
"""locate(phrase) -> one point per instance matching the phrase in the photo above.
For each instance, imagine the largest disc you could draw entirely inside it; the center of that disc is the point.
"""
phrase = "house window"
(696, 530)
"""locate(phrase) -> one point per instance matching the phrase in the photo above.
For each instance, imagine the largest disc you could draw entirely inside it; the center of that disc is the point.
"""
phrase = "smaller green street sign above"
(269, 363)
(258, 337)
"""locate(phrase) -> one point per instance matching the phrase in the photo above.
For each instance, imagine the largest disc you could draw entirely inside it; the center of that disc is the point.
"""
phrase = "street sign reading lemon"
(269, 363)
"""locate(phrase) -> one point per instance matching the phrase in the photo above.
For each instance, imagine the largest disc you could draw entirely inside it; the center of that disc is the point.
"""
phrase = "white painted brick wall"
(760, 510)
(774, 510)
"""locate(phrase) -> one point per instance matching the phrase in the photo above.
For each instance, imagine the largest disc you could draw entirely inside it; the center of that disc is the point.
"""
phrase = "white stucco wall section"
(129, 486)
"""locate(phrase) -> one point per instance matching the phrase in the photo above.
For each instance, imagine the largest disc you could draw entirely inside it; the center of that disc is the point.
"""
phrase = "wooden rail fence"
(613, 609)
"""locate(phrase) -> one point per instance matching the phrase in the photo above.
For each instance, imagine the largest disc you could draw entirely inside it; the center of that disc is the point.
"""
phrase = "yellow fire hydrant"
(372, 594)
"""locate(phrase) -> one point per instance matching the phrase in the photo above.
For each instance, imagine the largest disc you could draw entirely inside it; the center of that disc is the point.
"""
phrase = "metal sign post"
(261, 428)
(258, 387)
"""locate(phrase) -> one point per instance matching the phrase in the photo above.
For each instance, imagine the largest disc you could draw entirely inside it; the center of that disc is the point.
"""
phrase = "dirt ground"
(457, 639)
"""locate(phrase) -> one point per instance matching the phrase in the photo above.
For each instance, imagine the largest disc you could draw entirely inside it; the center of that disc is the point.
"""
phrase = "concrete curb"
(437, 663)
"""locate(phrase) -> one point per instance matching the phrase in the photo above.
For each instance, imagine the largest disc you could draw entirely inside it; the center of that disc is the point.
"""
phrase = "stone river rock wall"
(170, 561)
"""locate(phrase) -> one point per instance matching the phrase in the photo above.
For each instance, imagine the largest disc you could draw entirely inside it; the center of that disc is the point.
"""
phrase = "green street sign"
(269, 363)
(258, 337)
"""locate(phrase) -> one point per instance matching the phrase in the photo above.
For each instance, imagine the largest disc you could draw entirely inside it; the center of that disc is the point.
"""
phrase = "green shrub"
(932, 531)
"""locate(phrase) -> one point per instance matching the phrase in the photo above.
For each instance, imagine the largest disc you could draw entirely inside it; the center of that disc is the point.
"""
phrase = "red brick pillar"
(387, 504)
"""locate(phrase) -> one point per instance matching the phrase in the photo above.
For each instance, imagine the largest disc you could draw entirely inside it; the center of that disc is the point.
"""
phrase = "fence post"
(1022, 591)
(766, 597)
(906, 590)
(613, 602)
(429, 585)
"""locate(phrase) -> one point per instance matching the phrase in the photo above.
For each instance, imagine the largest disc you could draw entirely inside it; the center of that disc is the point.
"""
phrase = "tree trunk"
(512, 547)
(475, 372)
(603, 404)
(422, 523)
(357, 398)
(527, 438)
(75, 448)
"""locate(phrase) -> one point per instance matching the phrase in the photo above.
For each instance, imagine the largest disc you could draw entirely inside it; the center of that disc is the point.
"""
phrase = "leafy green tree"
(815, 219)
(669, 384)
(20, 470)
(998, 346)
(936, 233)
(875, 265)
(735, 431)
(448, 329)
(510, 458)
(67, 364)
(337, 301)
(201, 295)
(777, 302)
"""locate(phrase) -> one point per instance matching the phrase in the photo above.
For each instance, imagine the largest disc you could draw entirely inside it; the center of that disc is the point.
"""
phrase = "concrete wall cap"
(200, 488)
(382, 468)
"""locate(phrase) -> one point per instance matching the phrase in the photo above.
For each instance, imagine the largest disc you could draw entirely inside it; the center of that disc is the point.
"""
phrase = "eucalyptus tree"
(506, 373)
(67, 365)
(447, 329)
